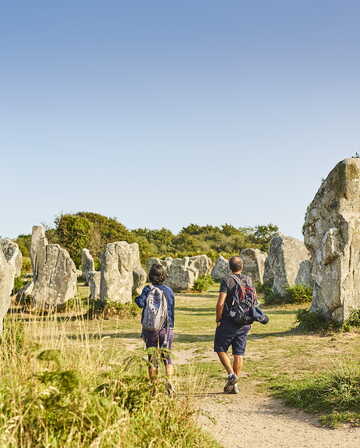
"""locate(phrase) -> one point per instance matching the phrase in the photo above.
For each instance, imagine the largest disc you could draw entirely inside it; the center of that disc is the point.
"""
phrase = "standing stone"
(54, 272)
(87, 264)
(332, 235)
(7, 276)
(166, 263)
(221, 269)
(286, 255)
(120, 266)
(94, 278)
(13, 255)
(254, 264)
(182, 274)
(304, 275)
(202, 264)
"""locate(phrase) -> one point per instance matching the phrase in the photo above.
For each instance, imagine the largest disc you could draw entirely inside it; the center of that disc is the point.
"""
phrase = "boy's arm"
(141, 299)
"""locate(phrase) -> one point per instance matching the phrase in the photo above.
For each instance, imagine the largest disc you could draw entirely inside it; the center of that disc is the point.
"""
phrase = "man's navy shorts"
(227, 334)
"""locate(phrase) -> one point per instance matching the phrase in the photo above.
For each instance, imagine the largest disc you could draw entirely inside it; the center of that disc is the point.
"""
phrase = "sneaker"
(228, 389)
(235, 389)
(229, 385)
(232, 379)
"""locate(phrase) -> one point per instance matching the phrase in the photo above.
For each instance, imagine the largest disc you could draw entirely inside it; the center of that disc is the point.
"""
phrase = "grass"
(96, 371)
(334, 394)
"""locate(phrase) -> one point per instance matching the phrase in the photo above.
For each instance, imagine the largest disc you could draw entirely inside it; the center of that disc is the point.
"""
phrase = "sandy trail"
(260, 422)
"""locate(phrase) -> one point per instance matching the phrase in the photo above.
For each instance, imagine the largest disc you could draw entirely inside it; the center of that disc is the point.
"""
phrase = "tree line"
(93, 231)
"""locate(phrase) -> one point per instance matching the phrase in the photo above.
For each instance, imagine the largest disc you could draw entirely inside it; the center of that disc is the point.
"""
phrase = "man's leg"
(225, 361)
(238, 364)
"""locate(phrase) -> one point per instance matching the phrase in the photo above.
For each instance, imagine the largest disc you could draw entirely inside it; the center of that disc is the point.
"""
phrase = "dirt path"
(258, 422)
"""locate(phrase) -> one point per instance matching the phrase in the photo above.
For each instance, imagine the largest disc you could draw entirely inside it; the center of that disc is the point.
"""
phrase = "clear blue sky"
(163, 113)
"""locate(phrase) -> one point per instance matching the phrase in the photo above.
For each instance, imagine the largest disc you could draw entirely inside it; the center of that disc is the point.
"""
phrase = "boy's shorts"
(162, 339)
(226, 334)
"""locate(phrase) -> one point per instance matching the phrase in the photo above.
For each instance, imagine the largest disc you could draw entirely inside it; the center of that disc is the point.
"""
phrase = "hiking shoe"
(235, 389)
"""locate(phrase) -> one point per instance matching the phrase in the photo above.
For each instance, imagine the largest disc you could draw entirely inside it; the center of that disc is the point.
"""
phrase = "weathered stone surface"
(94, 279)
(254, 263)
(221, 269)
(284, 262)
(13, 255)
(332, 235)
(121, 272)
(182, 272)
(304, 275)
(54, 272)
(166, 263)
(7, 276)
(202, 263)
(87, 264)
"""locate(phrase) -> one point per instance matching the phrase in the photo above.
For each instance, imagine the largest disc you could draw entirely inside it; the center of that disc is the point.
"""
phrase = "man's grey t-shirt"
(228, 286)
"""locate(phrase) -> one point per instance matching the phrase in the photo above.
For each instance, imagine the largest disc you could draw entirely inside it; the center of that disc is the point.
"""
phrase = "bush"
(353, 320)
(203, 283)
(294, 294)
(336, 395)
(271, 297)
(106, 309)
(19, 283)
(315, 322)
(298, 294)
(26, 266)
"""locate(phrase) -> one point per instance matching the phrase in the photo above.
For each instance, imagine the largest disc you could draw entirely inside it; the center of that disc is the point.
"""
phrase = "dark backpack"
(242, 303)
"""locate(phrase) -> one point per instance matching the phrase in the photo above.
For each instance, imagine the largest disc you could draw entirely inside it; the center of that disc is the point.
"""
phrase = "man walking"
(227, 333)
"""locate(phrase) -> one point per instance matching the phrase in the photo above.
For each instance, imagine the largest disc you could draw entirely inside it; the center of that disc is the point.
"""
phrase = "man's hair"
(157, 274)
(236, 264)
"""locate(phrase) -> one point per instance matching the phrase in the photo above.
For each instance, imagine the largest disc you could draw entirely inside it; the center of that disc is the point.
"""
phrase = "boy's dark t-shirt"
(228, 286)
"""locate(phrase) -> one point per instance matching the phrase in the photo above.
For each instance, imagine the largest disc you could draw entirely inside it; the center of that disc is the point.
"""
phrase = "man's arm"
(220, 306)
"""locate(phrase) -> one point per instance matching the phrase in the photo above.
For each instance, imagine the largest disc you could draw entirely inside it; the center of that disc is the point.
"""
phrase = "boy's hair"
(236, 264)
(157, 274)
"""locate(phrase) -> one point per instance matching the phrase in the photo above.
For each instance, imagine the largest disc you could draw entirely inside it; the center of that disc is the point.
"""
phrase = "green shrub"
(315, 322)
(19, 283)
(203, 283)
(336, 395)
(271, 297)
(106, 309)
(298, 294)
(353, 320)
(294, 294)
(26, 266)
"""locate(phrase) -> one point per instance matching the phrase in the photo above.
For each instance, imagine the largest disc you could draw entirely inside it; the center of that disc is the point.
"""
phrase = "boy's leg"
(153, 373)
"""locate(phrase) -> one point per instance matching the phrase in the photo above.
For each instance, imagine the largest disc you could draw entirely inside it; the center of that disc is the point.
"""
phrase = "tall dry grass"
(61, 387)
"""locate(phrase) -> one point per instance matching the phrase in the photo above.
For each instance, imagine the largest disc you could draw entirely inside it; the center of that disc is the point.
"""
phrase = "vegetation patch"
(334, 395)
(107, 309)
(203, 283)
(62, 399)
(316, 322)
(294, 294)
